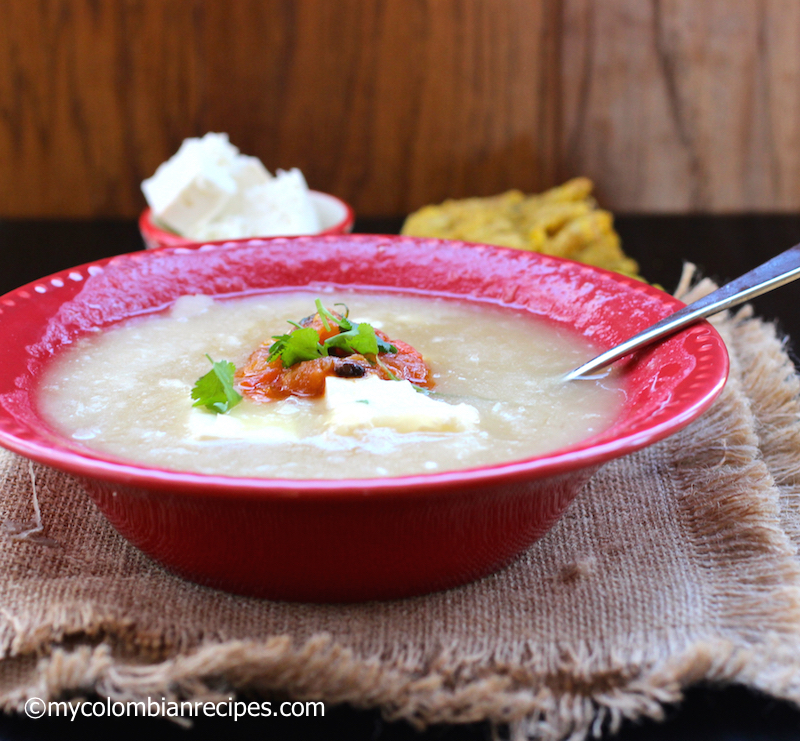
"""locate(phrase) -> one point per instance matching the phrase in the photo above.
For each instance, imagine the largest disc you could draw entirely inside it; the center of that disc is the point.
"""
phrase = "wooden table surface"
(723, 247)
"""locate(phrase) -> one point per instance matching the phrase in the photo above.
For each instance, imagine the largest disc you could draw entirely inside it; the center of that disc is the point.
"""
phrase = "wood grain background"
(669, 105)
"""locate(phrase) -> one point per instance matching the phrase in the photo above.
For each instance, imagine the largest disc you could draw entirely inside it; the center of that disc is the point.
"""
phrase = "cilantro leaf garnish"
(215, 390)
(384, 345)
(302, 344)
(360, 339)
(323, 314)
(327, 316)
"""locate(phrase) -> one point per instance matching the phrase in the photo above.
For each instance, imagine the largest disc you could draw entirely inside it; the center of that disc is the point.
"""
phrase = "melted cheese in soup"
(497, 396)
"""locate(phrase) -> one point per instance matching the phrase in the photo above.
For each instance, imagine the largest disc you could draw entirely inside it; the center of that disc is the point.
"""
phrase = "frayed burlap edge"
(776, 421)
(322, 670)
(590, 692)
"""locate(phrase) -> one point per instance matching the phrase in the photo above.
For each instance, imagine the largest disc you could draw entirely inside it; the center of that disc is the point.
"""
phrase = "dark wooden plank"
(675, 105)
(90, 93)
(390, 105)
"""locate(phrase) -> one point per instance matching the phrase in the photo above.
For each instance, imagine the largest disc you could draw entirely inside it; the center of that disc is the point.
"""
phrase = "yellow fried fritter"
(564, 221)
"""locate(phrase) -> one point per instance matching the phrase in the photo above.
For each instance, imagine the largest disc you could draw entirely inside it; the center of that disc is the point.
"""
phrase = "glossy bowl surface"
(358, 539)
(335, 216)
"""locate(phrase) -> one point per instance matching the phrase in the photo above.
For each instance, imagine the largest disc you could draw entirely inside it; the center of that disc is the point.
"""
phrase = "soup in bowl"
(379, 481)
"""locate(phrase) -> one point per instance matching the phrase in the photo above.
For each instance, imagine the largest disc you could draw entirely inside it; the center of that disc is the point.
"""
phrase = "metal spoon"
(778, 271)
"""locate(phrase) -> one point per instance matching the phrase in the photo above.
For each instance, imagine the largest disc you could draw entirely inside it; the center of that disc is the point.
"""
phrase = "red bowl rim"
(154, 234)
(586, 454)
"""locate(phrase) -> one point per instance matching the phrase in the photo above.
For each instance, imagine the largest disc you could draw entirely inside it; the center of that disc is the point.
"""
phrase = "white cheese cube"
(249, 171)
(355, 404)
(194, 185)
(208, 191)
(263, 426)
(279, 206)
(230, 222)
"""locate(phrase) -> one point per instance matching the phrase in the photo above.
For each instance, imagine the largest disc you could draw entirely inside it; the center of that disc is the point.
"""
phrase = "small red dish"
(358, 539)
(335, 217)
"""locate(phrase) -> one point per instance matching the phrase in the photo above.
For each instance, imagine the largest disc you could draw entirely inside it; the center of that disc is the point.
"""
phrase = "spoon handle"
(780, 270)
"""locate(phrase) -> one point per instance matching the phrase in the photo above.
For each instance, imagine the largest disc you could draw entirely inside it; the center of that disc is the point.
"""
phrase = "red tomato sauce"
(264, 380)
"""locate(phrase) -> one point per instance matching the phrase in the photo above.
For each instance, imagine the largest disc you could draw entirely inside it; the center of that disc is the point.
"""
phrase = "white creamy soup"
(497, 397)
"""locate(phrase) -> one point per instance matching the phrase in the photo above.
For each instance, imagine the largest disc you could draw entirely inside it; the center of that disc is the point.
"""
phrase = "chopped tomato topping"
(315, 322)
(265, 380)
(407, 364)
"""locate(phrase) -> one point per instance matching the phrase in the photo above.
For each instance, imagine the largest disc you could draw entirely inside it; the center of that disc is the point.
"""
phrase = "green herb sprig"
(301, 344)
(304, 344)
(215, 390)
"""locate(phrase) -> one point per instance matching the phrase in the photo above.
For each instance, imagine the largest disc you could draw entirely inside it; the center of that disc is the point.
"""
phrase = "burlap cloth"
(674, 566)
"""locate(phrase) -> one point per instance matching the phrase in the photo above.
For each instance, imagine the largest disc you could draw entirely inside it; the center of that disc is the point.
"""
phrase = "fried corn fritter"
(564, 221)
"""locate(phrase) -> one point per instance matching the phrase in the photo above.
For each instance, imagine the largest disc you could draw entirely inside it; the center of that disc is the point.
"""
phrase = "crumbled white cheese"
(279, 206)
(208, 190)
(355, 404)
(193, 185)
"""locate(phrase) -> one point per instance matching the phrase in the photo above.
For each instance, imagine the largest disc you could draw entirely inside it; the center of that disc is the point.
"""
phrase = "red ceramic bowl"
(335, 217)
(336, 540)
